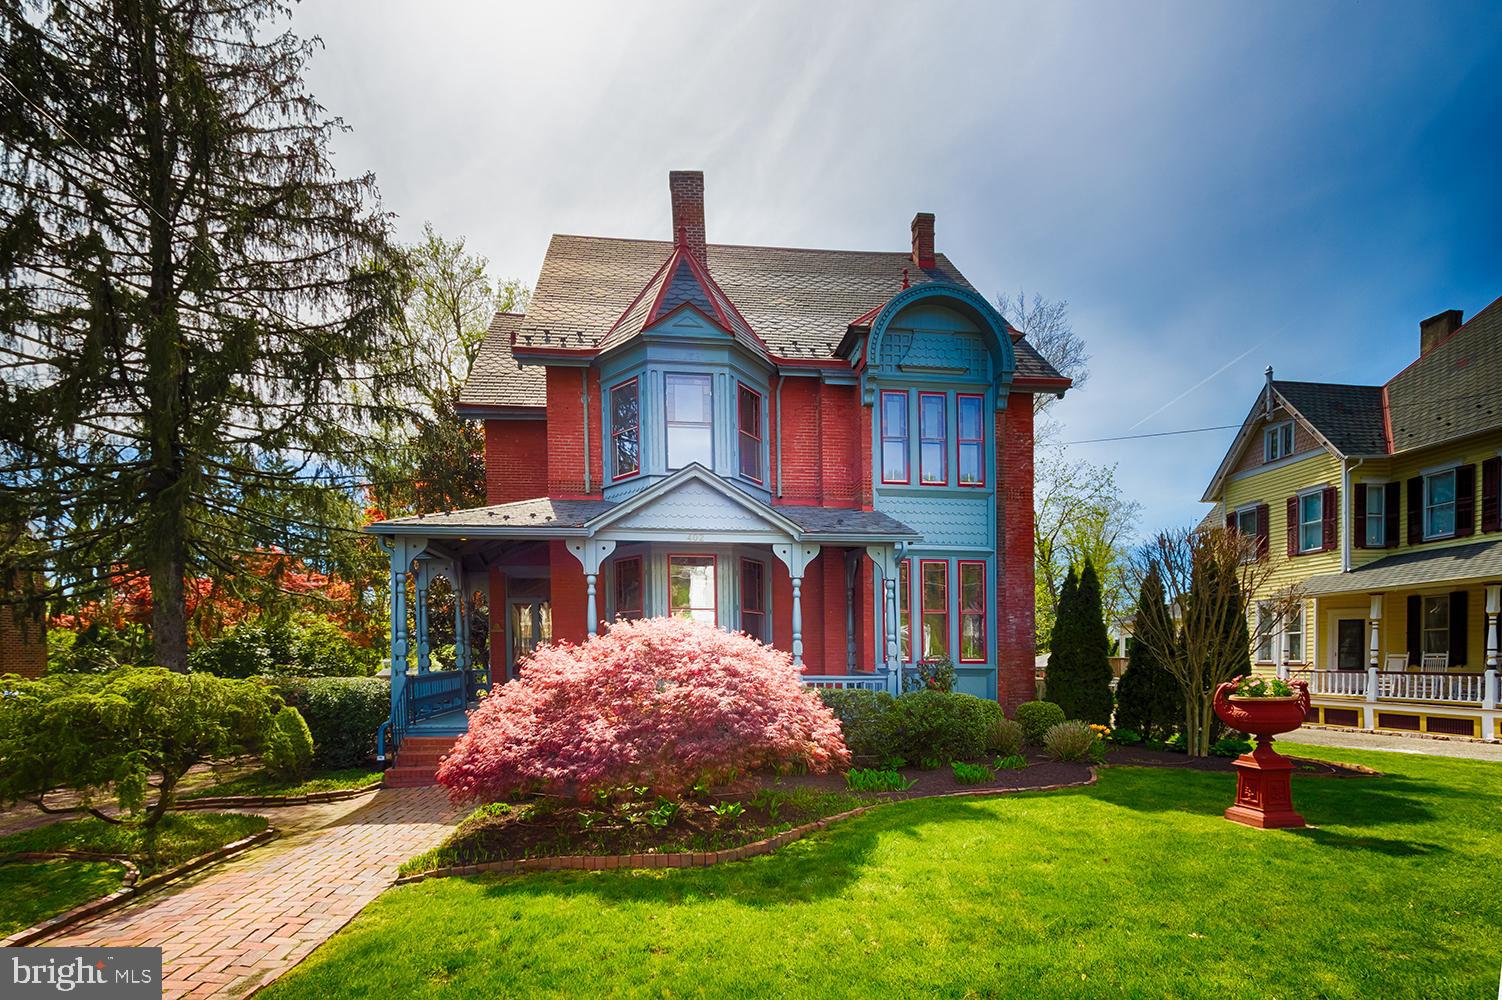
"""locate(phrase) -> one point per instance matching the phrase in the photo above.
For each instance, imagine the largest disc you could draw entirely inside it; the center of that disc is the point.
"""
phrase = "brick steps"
(417, 759)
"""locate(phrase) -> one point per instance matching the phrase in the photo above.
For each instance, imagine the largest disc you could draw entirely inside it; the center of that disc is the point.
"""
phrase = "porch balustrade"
(857, 682)
(1479, 689)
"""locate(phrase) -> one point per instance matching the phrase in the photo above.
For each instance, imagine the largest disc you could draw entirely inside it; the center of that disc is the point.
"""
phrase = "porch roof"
(546, 517)
(1456, 563)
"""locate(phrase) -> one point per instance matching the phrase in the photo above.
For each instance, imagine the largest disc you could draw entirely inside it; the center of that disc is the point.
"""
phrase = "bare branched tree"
(1048, 328)
(1206, 576)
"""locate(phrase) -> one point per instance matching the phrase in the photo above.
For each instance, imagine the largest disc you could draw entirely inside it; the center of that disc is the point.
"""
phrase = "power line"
(1155, 434)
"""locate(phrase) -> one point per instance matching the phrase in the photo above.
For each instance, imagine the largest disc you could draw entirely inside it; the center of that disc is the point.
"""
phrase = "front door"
(531, 625)
(1350, 644)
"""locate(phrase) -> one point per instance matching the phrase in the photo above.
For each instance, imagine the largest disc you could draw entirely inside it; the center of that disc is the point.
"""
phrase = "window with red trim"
(748, 412)
(972, 440)
(754, 599)
(628, 588)
(933, 439)
(933, 590)
(691, 588)
(904, 611)
(625, 430)
(894, 439)
(972, 612)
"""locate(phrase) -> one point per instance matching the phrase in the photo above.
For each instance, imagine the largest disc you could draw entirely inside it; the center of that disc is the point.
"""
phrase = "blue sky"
(1294, 184)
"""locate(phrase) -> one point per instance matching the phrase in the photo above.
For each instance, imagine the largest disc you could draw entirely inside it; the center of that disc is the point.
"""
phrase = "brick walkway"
(243, 923)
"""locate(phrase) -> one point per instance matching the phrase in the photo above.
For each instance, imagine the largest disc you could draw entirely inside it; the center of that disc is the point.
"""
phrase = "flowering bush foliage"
(656, 702)
(1262, 687)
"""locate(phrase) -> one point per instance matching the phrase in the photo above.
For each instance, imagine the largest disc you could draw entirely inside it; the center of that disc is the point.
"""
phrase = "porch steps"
(417, 759)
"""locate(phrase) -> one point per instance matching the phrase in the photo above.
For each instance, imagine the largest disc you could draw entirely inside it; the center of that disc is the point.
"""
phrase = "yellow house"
(1382, 504)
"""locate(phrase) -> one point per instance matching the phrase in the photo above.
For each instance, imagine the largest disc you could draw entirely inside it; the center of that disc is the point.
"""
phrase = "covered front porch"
(819, 583)
(1408, 643)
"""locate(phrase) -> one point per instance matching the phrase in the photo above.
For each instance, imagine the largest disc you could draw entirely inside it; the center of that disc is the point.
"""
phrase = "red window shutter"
(1293, 526)
(1231, 520)
(1465, 501)
(1415, 510)
(1330, 509)
(1390, 505)
(1358, 532)
(1262, 531)
(1491, 495)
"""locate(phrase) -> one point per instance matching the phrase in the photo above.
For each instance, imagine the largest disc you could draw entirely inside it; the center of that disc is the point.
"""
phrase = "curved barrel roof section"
(960, 298)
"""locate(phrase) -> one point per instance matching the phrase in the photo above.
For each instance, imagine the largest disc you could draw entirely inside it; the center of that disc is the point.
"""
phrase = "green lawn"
(262, 783)
(30, 892)
(1133, 887)
(177, 838)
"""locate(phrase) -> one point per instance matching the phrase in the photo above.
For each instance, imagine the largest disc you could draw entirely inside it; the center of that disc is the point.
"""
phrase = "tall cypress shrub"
(1148, 697)
(1079, 669)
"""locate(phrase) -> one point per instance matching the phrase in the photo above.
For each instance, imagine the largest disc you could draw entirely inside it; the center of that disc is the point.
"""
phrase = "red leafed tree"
(657, 702)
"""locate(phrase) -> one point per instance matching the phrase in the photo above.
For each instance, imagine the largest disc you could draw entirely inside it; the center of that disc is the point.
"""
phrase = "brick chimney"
(923, 240)
(687, 188)
(1437, 328)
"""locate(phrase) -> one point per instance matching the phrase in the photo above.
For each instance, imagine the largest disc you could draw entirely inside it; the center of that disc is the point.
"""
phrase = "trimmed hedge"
(919, 725)
(1037, 718)
(865, 720)
(342, 713)
(289, 746)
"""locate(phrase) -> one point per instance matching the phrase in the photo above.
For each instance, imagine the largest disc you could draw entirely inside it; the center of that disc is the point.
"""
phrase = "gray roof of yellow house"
(1409, 570)
(799, 302)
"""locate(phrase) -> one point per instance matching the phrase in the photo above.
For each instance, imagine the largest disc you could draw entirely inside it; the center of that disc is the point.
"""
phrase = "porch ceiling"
(1477, 561)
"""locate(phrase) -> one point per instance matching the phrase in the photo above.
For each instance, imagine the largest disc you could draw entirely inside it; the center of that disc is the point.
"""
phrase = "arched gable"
(982, 352)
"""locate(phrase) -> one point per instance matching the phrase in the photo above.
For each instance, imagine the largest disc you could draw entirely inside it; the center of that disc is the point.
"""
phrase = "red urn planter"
(1264, 798)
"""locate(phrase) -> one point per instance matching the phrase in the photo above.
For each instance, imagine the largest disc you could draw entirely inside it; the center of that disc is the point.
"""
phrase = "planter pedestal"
(1264, 798)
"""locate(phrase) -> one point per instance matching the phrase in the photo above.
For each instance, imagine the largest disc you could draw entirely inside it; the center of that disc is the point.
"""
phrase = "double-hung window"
(1293, 636)
(933, 438)
(1312, 521)
(894, 437)
(625, 430)
(905, 611)
(934, 590)
(1376, 516)
(1266, 626)
(1436, 637)
(691, 588)
(754, 599)
(972, 612)
(972, 439)
(1246, 522)
(1277, 441)
(690, 420)
(748, 428)
(628, 588)
(1439, 504)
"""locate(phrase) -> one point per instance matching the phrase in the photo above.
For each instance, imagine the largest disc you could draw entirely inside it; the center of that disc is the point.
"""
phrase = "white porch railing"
(1412, 686)
(859, 682)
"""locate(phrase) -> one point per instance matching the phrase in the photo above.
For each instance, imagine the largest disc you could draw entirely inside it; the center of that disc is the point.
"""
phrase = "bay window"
(972, 440)
(934, 603)
(933, 439)
(748, 428)
(894, 439)
(972, 612)
(691, 588)
(625, 430)
(690, 420)
(905, 611)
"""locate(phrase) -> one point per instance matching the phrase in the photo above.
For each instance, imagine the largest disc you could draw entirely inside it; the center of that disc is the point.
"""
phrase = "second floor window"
(690, 421)
(1376, 517)
(972, 440)
(1439, 505)
(1312, 521)
(894, 437)
(625, 429)
(933, 439)
(748, 419)
(1277, 441)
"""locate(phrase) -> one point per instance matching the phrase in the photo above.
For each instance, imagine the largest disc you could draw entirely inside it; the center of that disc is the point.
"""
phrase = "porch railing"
(857, 682)
(433, 694)
(1393, 685)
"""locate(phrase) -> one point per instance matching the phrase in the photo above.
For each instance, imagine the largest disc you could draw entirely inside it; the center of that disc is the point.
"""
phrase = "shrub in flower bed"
(1036, 718)
(1233, 744)
(971, 774)
(1005, 738)
(1072, 740)
(866, 721)
(652, 703)
(937, 725)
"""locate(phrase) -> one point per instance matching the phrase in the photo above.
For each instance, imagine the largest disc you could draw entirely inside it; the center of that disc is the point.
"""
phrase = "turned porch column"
(1374, 615)
(798, 621)
(796, 558)
(591, 553)
(420, 616)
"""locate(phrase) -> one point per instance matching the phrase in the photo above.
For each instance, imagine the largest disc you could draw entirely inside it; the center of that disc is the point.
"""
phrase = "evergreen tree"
(1079, 669)
(194, 306)
(1148, 699)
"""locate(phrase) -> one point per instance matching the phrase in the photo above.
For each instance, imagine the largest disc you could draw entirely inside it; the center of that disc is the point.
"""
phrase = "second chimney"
(687, 188)
(1437, 328)
(923, 241)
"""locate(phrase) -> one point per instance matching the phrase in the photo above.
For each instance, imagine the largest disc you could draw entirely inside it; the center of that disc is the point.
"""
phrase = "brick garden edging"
(272, 801)
(131, 886)
(704, 859)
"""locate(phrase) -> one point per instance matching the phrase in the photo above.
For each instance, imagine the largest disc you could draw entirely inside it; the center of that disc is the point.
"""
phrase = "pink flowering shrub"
(656, 702)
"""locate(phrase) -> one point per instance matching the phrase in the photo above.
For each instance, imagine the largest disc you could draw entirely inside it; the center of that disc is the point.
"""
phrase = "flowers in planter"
(1252, 686)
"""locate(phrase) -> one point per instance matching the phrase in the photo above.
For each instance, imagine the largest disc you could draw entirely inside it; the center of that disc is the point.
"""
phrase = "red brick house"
(831, 450)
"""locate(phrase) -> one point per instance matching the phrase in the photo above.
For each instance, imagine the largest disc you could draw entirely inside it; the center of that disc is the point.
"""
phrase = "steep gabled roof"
(681, 283)
(1454, 390)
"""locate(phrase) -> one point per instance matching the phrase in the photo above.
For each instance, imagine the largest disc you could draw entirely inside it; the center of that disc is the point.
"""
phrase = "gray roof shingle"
(1453, 391)
(844, 521)
(1348, 416)
(799, 302)
(1475, 560)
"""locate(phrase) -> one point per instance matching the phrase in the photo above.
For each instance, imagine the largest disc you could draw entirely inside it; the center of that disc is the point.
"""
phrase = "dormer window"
(625, 430)
(748, 431)
(690, 421)
(1277, 441)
